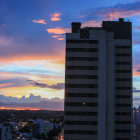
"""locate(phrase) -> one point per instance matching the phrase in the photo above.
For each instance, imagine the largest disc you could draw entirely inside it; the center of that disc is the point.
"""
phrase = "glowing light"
(10, 108)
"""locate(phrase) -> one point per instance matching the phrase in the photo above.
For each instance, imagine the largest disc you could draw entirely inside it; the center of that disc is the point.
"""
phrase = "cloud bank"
(135, 90)
(21, 82)
(31, 102)
(58, 86)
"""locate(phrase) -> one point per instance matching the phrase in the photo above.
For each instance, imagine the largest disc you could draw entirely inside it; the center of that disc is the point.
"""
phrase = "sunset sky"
(32, 46)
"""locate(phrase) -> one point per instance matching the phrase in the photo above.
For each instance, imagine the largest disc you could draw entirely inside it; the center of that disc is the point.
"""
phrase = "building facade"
(136, 123)
(98, 82)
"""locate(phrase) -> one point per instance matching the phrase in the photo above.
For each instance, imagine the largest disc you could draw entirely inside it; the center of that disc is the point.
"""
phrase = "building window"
(123, 139)
(72, 76)
(81, 67)
(81, 132)
(81, 122)
(81, 94)
(123, 71)
(123, 105)
(81, 86)
(123, 79)
(123, 96)
(82, 58)
(123, 113)
(123, 63)
(123, 54)
(123, 88)
(72, 113)
(82, 49)
(80, 104)
(122, 131)
(82, 41)
(123, 47)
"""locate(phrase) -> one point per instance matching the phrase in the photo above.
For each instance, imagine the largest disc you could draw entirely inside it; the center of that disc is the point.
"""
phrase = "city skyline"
(32, 42)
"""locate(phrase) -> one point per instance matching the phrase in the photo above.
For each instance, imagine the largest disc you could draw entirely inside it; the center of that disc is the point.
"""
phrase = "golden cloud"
(56, 17)
(136, 71)
(60, 39)
(91, 24)
(41, 21)
(55, 36)
(59, 59)
(57, 30)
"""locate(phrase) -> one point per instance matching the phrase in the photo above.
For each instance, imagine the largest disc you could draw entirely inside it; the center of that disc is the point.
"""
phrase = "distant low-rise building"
(136, 123)
(49, 126)
(5, 132)
(41, 125)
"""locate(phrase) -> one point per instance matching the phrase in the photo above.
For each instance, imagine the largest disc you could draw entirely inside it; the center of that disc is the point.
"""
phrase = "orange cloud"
(27, 108)
(3, 85)
(56, 17)
(60, 39)
(59, 58)
(136, 72)
(16, 108)
(91, 24)
(41, 21)
(57, 30)
(55, 36)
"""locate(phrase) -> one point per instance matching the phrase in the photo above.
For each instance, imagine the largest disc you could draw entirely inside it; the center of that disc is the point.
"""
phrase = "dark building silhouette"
(136, 123)
(98, 77)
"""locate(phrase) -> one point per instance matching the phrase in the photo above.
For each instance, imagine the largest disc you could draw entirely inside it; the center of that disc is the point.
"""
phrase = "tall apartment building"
(98, 82)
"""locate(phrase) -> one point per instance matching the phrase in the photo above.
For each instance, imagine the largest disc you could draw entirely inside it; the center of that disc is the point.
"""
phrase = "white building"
(98, 90)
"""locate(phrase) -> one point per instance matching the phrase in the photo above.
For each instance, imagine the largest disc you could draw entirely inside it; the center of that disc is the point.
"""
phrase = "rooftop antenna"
(108, 17)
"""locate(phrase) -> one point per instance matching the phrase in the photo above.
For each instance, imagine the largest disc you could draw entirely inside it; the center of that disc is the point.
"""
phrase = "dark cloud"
(58, 86)
(13, 82)
(136, 90)
(138, 70)
(35, 102)
(35, 105)
(20, 81)
(136, 101)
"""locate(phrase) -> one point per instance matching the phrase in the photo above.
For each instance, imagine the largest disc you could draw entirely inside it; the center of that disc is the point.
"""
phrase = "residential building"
(98, 82)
